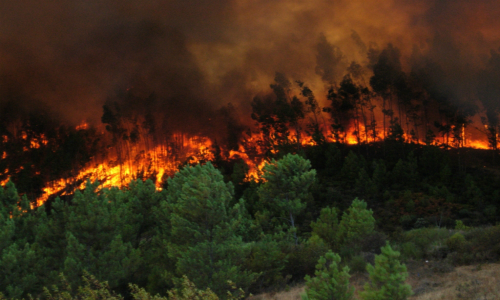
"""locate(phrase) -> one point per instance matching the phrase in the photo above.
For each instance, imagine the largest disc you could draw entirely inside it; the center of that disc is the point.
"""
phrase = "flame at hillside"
(423, 72)
(156, 164)
(138, 158)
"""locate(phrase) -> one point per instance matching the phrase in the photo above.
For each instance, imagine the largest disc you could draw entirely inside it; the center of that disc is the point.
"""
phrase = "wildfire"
(154, 163)
(136, 161)
(83, 126)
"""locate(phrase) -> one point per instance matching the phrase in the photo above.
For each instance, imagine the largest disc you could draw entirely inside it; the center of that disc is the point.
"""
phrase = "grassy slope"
(466, 282)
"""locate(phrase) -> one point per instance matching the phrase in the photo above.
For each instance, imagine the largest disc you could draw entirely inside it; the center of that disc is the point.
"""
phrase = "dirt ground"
(429, 281)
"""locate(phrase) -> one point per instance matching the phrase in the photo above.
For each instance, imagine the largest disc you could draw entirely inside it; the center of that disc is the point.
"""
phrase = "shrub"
(421, 223)
(455, 242)
(442, 267)
(459, 225)
(486, 243)
(421, 243)
(410, 250)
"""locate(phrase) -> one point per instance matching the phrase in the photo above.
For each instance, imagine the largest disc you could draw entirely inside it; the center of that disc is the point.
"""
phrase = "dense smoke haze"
(69, 57)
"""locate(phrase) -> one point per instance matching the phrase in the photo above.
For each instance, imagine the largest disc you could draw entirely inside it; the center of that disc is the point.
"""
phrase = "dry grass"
(467, 282)
(292, 294)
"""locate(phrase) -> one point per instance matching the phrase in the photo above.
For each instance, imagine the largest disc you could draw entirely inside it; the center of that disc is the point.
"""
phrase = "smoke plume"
(68, 58)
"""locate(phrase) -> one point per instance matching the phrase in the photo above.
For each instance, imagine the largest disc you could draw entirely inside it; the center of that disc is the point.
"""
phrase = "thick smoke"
(69, 57)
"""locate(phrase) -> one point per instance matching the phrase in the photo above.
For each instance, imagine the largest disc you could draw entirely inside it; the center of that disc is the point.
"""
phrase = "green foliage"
(405, 173)
(350, 169)
(203, 231)
(196, 225)
(286, 186)
(329, 282)
(188, 291)
(364, 185)
(92, 289)
(480, 245)
(459, 225)
(456, 241)
(327, 227)
(94, 228)
(17, 265)
(380, 176)
(9, 199)
(267, 260)
(356, 222)
(357, 263)
(387, 278)
(333, 160)
(422, 242)
(473, 193)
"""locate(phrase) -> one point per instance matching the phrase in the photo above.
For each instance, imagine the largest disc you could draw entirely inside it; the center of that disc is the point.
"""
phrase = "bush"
(303, 258)
(442, 267)
(486, 243)
(422, 243)
(459, 225)
(410, 250)
(456, 241)
(421, 223)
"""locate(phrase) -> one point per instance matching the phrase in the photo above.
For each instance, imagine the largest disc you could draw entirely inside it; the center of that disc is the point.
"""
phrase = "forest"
(212, 225)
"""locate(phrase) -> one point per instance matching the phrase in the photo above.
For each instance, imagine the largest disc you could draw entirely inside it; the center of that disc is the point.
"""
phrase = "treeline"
(380, 100)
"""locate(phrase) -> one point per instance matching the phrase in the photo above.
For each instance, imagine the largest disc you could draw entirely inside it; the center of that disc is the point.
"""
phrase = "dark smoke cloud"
(70, 57)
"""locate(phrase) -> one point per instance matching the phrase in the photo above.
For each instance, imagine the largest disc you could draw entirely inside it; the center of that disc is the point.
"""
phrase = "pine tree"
(350, 169)
(96, 236)
(330, 282)
(387, 278)
(356, 222)
(8, 202)
(364, 185)
(17, 276)
(379, 177)
(287, 183)
(203, 231)
(327, 227)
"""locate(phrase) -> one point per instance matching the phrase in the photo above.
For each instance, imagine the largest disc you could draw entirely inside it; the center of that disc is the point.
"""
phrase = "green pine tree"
(204, 236)
(286, 186)
(17, 271)
(327, 227)
(387, 278)
(96, 236)
(330, 282)
(350, 169)
(357, 222)
(364, 185)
